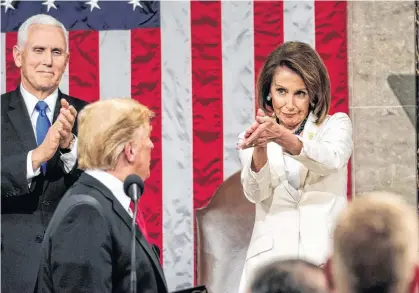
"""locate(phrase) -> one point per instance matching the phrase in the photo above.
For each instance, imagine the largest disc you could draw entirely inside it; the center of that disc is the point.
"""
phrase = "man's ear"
(414, 284)
(128, 152)
(328, 273)
(17, 56)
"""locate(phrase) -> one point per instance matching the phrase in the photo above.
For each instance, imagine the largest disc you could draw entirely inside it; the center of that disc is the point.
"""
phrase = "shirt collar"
(30, 100)
(115, 185)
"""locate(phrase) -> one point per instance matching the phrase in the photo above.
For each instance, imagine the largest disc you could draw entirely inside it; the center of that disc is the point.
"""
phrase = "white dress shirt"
(115, 185)
(30, 100)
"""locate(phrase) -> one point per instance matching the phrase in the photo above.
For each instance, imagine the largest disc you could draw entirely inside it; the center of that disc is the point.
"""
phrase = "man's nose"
(47, 58)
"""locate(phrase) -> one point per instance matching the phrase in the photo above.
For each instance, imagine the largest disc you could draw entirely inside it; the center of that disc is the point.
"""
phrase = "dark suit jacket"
(87, 246)
(26, 210)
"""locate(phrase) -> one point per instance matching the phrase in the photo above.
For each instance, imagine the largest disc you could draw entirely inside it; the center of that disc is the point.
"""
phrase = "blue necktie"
(42, 126)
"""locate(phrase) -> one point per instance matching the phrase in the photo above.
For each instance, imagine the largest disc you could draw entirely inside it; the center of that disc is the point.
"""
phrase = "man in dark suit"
(88, 241)
(38, 149)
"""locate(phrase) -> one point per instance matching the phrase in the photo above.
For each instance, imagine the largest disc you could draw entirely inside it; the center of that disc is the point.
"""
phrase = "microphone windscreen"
(133, 179)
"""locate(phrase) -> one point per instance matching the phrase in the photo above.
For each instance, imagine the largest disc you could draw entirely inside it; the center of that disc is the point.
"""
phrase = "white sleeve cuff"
(262, 174)
(30, 172)
(69, 159)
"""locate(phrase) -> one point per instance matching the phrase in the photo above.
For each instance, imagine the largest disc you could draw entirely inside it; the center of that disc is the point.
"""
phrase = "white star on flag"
(135, 3)
(49, 4)
(93, 4)
(7, 4)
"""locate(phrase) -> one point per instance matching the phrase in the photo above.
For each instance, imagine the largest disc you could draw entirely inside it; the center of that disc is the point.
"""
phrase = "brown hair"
(304, 61)
(105, 127)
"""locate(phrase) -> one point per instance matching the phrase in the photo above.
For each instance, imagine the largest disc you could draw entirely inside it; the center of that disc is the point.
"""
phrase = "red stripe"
(12, 72)
(146, 88)
(268, 22)
(84, 65)
(331, 43)
(207, 104)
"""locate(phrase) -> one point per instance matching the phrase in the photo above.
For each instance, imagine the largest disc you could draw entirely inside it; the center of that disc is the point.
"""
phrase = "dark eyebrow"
(302, 89)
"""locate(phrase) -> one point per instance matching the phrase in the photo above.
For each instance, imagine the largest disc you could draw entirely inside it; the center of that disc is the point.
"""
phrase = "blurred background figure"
(289, 276)
(375, 246)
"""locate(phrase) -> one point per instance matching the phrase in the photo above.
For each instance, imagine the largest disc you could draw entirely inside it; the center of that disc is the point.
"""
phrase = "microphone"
(134, 188)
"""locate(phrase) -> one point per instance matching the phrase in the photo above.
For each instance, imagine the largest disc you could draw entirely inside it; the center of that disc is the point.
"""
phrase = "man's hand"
(46, 150)
(67, 117)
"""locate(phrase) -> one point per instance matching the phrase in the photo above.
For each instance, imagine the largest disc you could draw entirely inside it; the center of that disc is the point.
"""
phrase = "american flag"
(194, 64)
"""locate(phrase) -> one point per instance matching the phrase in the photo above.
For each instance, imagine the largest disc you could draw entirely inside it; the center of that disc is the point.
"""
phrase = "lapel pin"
(311, 135)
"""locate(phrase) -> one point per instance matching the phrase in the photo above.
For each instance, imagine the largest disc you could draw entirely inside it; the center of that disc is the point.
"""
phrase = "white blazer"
(298, 223)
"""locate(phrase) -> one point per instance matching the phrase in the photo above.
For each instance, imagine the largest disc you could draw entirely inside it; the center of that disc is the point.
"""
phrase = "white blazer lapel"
(310, 133)
(277, 169)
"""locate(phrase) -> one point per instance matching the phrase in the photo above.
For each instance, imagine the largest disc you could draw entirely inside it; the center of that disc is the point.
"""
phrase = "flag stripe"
(83, 65)
(12, 72)
(64, 83)
(146, 88)
(331, 44)
(177, 144)
(269, 34)
(115, 63)
(238, 77)
(3, 63)
(299, 21)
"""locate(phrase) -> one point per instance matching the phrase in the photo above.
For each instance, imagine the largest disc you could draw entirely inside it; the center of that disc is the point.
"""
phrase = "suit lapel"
(19, 118)
(278, 174)
(119, 210)
(309, 133)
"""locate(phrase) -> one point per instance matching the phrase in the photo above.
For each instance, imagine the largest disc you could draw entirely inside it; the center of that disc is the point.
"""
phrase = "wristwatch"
(70, 146)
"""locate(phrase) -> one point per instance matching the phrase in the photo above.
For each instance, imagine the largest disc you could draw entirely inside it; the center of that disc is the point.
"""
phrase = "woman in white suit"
(294, 160)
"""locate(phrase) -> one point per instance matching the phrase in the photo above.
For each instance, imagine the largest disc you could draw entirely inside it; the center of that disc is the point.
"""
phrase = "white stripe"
(178, 250)
(299, 21)
(3, 63)
(64, 83)
(115, 64)
(238, 77)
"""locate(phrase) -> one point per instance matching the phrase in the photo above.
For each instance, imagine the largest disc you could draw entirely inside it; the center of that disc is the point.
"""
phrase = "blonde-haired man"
(87, 247)
(375, 246)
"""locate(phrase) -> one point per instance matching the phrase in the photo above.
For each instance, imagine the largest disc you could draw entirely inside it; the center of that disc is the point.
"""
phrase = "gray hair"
(22, 34)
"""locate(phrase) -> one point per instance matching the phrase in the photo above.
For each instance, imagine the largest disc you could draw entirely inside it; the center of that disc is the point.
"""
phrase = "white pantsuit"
(298, 197)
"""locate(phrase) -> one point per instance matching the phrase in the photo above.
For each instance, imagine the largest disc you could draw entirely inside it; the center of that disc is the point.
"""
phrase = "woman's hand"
(263, 130)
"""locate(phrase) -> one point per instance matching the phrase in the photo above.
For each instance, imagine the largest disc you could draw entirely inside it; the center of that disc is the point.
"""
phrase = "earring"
(268, 98)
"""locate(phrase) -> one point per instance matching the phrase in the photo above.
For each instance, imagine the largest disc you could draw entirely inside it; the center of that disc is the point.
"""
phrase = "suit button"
(45, 203)
(39, 238)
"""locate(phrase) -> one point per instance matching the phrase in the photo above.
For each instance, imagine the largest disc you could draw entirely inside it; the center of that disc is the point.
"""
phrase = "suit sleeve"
(332, 150)
(256, 186)
(13, 175)
(80, 251)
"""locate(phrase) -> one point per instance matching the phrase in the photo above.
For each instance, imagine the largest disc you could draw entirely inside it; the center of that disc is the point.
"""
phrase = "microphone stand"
(133, 229)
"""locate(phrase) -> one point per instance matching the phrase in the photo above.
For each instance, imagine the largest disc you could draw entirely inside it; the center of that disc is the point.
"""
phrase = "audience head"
(375, 246)
(114, 136)
(289, 276)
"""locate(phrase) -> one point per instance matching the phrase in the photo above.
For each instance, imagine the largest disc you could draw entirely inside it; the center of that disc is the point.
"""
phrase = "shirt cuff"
(69, 159)
(262, 174)
(30, 172)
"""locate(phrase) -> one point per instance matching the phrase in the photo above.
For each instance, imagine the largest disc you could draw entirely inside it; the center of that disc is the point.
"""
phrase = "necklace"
(300, 128)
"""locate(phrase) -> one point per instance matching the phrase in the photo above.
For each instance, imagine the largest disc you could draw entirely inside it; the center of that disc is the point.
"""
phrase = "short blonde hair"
(376, 244)
(104, 127)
